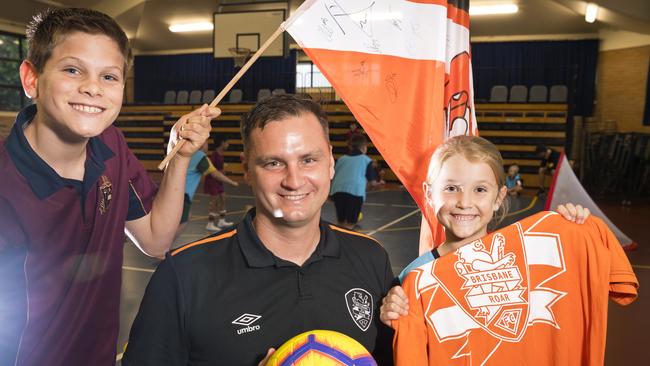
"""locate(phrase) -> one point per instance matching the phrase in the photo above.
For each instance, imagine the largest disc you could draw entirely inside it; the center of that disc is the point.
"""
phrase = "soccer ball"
(321, 348)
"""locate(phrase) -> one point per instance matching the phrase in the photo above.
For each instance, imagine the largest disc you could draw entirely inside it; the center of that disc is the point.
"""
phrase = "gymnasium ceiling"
(146, 21)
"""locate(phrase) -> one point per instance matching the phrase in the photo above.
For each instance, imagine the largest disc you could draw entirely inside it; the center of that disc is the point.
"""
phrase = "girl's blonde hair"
(474, 149)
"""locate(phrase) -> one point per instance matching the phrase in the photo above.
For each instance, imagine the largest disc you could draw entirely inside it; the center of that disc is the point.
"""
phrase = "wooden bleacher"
(516, 129)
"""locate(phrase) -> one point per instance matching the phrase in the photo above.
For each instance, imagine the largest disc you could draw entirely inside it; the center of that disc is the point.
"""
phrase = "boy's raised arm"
(154, 232)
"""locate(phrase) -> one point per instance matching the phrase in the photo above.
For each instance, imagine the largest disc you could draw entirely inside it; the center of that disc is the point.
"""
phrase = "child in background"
(200, 166)
(348, 190)
(214, 188)
(548, 160)
(514, 184)
(353, 131)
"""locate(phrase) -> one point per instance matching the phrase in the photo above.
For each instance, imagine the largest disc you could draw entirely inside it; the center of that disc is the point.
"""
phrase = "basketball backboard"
(247, 29)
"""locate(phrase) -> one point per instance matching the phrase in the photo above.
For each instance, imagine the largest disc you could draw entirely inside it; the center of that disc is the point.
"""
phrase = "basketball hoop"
(240, 55)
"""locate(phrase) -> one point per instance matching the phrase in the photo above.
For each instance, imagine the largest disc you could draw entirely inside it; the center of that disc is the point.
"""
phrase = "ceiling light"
(591, 12)
(191, 27)
(493, 9)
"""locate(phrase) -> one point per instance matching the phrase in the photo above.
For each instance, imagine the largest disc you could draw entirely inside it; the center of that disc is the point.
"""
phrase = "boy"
(214, 187)
(348, 190)
(71, 188)
(514, 184)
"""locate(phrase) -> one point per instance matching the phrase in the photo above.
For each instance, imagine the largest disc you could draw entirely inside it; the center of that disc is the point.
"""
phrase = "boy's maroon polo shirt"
(61, 244)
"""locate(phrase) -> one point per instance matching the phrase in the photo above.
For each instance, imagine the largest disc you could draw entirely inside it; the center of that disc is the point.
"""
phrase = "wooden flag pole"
(227, 88)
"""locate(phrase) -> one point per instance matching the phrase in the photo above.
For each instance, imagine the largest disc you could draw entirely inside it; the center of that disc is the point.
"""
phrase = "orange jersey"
(532, 293)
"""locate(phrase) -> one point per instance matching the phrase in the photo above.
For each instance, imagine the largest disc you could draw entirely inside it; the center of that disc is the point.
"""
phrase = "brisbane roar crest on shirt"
(519, 295)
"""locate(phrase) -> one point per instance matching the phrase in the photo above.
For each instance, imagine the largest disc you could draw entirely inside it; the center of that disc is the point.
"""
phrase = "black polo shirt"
(226, 299)
(61, 245)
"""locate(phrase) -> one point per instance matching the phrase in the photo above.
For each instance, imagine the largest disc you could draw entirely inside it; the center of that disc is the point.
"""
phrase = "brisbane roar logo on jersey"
(492, 292)
(492, 284)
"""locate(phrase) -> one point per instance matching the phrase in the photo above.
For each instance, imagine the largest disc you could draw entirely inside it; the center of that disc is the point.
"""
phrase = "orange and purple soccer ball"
(321, 348)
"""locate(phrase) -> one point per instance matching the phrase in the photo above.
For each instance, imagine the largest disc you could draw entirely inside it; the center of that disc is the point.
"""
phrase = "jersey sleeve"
(205, 166)
(410, 339)
(623, 283)
(158, 336)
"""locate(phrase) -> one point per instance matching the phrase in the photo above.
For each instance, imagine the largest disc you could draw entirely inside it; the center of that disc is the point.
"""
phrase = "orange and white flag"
(403, 68)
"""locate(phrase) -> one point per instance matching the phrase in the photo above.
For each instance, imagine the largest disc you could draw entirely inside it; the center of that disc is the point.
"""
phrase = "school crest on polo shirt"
(360, 307)
(105, 194)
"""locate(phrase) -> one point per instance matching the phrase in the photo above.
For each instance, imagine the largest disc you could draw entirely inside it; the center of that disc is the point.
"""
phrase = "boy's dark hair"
(541, 148)
(276, 108)
(357, 142)
(48, 28)
(218, 141)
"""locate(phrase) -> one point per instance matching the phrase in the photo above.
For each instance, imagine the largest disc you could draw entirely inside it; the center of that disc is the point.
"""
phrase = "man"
(230, 297)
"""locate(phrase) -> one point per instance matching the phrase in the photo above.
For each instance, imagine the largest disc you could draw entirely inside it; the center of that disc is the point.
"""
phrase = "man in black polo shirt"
(230, 297)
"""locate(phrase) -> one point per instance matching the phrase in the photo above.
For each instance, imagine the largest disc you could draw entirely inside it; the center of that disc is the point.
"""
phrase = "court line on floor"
(366, 203)
(371, 233)
(196, 218)
(396, 229)
(388, 204)
(129, 268)
(640, 266)
(379, 191)
(532, 203)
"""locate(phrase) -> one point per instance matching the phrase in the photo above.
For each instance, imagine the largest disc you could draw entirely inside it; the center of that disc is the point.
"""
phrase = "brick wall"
(621, 87)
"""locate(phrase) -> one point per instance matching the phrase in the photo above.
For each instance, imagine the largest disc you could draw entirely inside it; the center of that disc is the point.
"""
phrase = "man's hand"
(575, 213)
(394, 305)
(194, 128)
(266, 358)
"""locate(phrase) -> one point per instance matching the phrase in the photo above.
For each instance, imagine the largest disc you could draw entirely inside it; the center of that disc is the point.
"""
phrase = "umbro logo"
(247, 321)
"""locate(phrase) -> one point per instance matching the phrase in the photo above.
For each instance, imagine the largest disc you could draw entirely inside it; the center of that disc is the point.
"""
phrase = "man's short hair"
(357, 142)
(276, 108)
(48, 28)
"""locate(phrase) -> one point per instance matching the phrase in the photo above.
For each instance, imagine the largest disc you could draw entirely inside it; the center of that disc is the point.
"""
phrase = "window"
(308, 76)
(13, 49)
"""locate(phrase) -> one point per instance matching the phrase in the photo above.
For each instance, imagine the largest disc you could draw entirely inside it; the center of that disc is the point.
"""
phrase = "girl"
(466, 191)
(214, 187)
